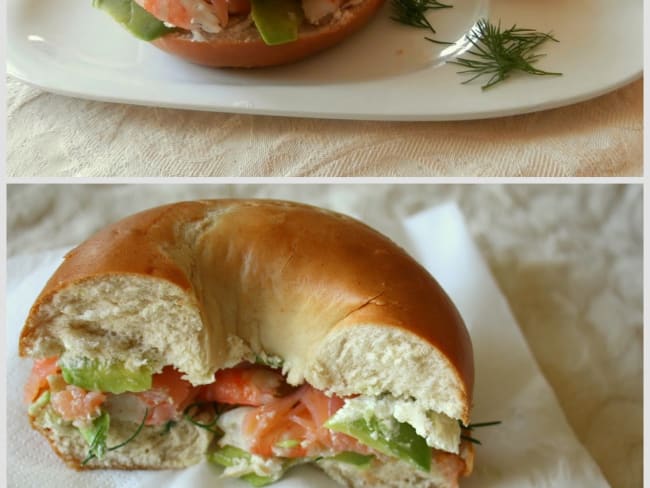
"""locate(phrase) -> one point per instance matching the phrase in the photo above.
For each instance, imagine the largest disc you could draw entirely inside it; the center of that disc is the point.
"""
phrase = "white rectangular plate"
(386, 72)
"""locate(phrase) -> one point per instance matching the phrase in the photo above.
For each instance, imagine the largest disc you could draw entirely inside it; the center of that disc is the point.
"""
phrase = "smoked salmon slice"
(292, 426)
(168, 397)
(247, 384)
(37, 380)
(286, 421)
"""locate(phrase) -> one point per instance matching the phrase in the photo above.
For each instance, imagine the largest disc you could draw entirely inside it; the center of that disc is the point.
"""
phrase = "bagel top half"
(204, 285)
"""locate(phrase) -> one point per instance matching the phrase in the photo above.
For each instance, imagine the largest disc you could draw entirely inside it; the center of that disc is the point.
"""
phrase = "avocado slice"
(112, 377)
(134, 18)
(277, 20)
(39, 403)
(349, 457)
(388, 436)
(228, 456)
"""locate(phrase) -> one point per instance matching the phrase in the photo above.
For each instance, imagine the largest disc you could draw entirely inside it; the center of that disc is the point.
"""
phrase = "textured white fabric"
(53, 135)
(567, 258)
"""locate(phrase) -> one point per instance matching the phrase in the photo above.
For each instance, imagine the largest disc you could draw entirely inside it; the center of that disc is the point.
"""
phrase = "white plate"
(386, 72)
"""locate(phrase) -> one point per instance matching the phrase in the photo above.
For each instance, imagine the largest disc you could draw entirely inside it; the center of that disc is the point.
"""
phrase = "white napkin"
(533, 447)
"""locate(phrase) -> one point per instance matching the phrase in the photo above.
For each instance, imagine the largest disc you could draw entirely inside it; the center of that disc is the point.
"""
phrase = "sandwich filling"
(277, 21)
(261, 424)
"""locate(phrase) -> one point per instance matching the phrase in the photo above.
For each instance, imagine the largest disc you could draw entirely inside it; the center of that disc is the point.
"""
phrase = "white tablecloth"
(53, 135)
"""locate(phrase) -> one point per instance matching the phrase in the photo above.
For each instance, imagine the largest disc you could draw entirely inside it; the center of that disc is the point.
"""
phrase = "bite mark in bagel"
(261, 333)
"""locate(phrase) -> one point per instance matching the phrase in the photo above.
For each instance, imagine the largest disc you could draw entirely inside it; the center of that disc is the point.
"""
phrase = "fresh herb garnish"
(135, 434)
(168, 427)
(476, 426)
(482, 424)
(95, 451)
(96, 437)
(412, 12)
(498, 53)
(268, 360)
(470, 439)
(209, 426)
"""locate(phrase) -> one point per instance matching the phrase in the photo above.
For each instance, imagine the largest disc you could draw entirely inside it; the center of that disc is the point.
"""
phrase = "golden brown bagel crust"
(248, 50)
(311, 252)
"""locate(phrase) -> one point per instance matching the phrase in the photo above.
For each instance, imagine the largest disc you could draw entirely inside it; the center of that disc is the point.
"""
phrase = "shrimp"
(37, 381)
(208, 15)
(297, 418)
(74, 403)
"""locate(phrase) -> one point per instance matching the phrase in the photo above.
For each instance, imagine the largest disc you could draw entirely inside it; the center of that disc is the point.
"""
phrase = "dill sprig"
(100, 438)
(168, 427)
(498, 53)
(470, 427)
(412, 12)
(482, 424)
(197, 407)
(470, 439)
(134, 435)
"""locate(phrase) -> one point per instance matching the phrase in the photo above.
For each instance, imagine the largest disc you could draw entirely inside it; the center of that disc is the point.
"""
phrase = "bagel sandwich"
(241, 33)
(257, 334)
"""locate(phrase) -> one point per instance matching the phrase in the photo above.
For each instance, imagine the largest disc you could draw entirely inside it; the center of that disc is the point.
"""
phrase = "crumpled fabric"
(53, 135)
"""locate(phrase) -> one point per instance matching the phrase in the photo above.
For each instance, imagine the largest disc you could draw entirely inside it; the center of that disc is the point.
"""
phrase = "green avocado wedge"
(134, 18)
(113, 377)
(228, 456)
(391, 437)
(361, 461)
(277, 20)
(39, 403)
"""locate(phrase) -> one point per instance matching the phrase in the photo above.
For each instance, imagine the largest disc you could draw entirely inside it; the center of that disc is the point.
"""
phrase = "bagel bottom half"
(186, 444)
(244, 48)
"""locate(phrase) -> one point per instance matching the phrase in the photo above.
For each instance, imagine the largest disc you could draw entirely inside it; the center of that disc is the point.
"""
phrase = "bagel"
(202, 312)
(235, 39)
